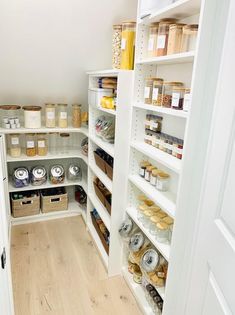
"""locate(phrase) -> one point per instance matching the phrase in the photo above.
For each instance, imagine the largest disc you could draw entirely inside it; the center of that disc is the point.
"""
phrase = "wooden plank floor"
(56, 270)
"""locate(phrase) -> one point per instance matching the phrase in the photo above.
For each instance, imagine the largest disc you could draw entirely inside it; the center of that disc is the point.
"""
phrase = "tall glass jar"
(42, 144)
(63, 115)
(148, 90)
(64, 142)
(128, 45)
(53, 142)
(187, 100)
(189, 38)
(152, 40)
(167, 92)
(175, 39)
(14, 145)
(31, 147)
(157, 91)
(177, 97)
(76, 116)
(163, 34)
(116, 46)
(50, 115)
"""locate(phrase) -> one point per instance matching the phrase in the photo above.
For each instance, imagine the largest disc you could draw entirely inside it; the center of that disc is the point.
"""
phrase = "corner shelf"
(106, 146)
(103, 213)
(102, 176)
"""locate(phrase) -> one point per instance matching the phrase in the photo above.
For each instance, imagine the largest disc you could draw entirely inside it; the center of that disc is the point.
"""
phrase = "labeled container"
(42, 144)
(31, 147)
(189, 38)
(32, 117)
(38, 175)
(116, 46)
(14, 145)
(76, 116)
(10, 116)
(157, 91)
(163, 34)
(64, 143)
(177, 97)
(187, 100)
(148, 90)
(50, 113)
(168, 88)
(62, 115)
(128, 45)
(152, 40)
(175, 39)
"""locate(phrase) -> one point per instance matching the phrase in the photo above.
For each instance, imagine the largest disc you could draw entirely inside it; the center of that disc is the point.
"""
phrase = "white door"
(212, 287)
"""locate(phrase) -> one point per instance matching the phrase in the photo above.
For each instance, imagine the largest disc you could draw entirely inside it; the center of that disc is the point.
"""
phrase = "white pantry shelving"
(162, 110)
(168, 60)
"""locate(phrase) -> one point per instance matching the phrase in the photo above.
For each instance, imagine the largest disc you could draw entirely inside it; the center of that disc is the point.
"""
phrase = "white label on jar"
(148, 138)
(34, 116)
(41, 144)
(147, 92)
(30, 144)
(175, 99)
(178, 150)
(151, 44)
(153, 180)
(146, 177)
(51, 115)
(123, 45)
(159, 185)
(187, 101)
(63, 115)
(141, 171)
(155, 94)
(154, 124)
(161, 41)
(14, 141)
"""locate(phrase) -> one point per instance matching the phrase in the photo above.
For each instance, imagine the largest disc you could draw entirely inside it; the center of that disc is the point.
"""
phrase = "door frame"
(213, 42)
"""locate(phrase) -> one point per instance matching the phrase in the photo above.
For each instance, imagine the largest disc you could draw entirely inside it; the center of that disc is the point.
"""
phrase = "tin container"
(74, 172)
(38, 175)
(57, 174)
(20, 177)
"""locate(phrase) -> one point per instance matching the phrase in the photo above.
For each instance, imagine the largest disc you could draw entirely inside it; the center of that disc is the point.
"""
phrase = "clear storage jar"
(187, 100)
(175, 38)
(148, 90)
(31, 147)
(163, 34)
(162, 232)
(76, 116)
(14, 145)
(63, 115)
(116, 46)
(32, 117)
(42, 144)
(167, 92)
(177, 97)
(157, 91)
(153, 226)
(189, 38)
(152, 40)
(163, 181)
(10, 116)
(50, 111)
(128, 45)
(53, 142)
(64, 142)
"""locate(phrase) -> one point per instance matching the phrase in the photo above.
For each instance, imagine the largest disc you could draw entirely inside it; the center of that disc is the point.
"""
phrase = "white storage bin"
(95, 95)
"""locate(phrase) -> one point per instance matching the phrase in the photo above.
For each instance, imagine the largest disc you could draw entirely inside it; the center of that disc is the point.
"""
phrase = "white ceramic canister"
(32, 117)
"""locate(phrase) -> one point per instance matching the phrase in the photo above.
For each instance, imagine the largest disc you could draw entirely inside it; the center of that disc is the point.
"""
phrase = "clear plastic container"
(177, 97)
(42, 144)
(148, 90)
(14, 145)
(163, 34)
(189, 38)
(64, 143)
(167, 92)
(31, 147)
(50, 111)
(10, 116)
(76, 116)
(157, 91)
(175, 38)
(128, 45)
(152, 40)
(162, 232)
(116, 46)
(63, 115)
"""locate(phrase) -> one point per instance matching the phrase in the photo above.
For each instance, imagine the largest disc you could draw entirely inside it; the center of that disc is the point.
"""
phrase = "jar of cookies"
(138, 244)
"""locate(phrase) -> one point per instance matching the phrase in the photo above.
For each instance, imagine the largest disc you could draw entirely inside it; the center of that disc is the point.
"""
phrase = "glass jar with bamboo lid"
(153, 226)
(152, 40)
(163, 34)
(163, 181)
(175, 38)
(128, 45)
(50, 115)
(157, 91)
(189, 37)
(116, 46)
(42, 144)
(62, 115)
(76, 116)
(167, 92)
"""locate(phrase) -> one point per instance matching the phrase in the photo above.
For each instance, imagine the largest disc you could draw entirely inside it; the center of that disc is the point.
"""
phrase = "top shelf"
(179, 9)
(107, 73)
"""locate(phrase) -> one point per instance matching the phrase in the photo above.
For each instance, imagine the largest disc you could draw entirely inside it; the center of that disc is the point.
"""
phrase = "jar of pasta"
(189, 38)
(167, 92)
(175, 38)
(128, 45)
(31, 148)
(157, 91)
(148, 90)
(163, 33)
(152, 41)
(63, 115)
(76, 116)
(14, 145)
(50, 115)
(42, 145)
(177, 97)
(116, 46)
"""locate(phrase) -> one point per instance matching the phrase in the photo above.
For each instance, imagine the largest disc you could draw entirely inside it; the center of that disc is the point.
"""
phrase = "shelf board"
(106, 146)
(108, 111)
(179, 9)
(102, 176)
(105, 216)
(98, 244)
(83, 213)
(47, 185)
(164, 249)
(162, 110)
(108, 72)
(83, 130)
(186, 57)
(165, 200)
(157, 155)
(49, 156)
(73, 210)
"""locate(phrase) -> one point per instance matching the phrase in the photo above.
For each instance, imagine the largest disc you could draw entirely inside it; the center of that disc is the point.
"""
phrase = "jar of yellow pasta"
(128, 45)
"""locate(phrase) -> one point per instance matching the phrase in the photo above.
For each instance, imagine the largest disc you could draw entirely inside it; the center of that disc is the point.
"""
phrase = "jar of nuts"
(167, 92)
(116, 46)
(31, 148)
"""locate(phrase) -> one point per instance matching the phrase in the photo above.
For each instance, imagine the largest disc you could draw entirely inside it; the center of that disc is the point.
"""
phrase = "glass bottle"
(14, 145)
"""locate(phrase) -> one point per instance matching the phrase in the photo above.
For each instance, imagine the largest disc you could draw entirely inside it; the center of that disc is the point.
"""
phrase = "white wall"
(48, 45)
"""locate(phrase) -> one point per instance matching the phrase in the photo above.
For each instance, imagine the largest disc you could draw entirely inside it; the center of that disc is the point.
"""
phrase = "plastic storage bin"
(95, 95)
